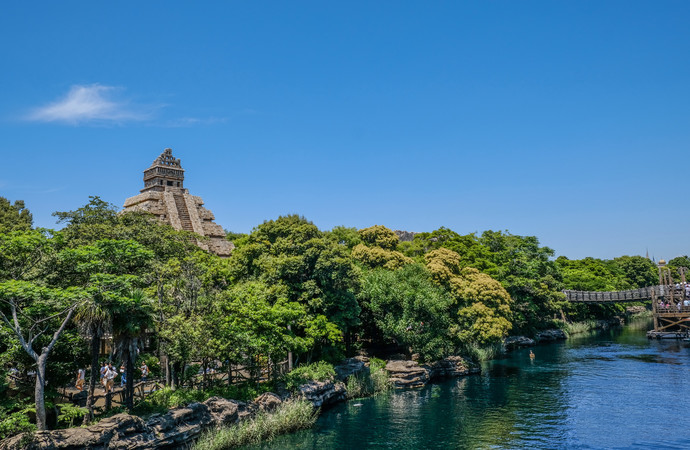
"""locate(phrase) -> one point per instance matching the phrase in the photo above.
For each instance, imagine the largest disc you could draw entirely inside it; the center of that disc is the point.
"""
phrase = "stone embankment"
(180, 427)
(410, 374)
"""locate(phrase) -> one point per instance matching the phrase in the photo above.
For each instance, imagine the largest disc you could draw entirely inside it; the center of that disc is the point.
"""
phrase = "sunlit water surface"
(613, 389)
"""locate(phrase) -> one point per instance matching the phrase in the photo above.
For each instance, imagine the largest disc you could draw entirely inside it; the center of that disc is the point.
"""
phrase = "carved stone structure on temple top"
(165, 196)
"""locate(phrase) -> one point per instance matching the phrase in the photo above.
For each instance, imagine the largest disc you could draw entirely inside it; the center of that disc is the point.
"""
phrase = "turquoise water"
(613, 389)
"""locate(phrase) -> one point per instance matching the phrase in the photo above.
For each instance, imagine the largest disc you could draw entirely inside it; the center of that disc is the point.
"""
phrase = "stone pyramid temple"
(165, 196)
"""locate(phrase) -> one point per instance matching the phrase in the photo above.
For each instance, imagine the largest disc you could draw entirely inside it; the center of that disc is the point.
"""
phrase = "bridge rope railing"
(631, 295)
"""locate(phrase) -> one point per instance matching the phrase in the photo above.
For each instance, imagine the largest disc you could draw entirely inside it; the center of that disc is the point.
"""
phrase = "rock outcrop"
(550, 335)
(410, 374)
(174, 429)
(451, 367)
(518, 341)
(322, 393)
(351, 366)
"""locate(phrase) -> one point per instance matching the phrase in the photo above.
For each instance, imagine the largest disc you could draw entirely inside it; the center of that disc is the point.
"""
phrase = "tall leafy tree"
(292, 253)
(33, 312)
(404, 306)
(14, 217)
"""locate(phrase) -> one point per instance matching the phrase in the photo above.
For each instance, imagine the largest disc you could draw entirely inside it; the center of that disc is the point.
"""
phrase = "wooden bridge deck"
(644, 294)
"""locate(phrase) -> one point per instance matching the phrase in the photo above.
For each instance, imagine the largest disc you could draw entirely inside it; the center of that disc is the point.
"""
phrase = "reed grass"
(288, 417)
(579, 327)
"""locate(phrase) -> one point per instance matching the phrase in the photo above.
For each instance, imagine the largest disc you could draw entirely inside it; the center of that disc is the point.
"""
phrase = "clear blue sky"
(566, 120)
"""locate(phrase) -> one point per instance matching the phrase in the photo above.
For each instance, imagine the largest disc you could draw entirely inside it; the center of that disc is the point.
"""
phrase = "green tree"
(132, 316)
(291, 253)
(379, 249)
(483, 306)
(32, 312)
(14, 217)
(406, 307)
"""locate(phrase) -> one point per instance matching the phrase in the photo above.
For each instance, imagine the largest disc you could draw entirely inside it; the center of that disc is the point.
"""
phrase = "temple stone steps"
(183, 213)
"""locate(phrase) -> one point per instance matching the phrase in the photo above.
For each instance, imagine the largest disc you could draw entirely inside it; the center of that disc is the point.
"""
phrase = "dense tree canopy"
(288, 292)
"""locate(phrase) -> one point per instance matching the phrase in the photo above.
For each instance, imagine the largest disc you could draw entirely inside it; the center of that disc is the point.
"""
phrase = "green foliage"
(70, 414)
(379, 236)
(14, 217)
(168, 398)
(483, 352)
(318, 371)
(406, 307)
(378, 249)
(483, 305)
(366, 383)
(573, 328)
(297, 260)
(15, 423)
(288, 417)
(344, 236)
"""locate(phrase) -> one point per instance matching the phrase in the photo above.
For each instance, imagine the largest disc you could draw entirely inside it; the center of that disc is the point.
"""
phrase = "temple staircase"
(183, 213)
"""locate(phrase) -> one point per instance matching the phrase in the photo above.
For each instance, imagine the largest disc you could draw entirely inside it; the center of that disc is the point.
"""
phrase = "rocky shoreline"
(180, 427)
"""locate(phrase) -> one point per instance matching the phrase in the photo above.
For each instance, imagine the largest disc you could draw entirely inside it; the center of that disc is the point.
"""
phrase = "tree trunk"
(168, 375)
(94, 375)
(129, 388)
(40, 391)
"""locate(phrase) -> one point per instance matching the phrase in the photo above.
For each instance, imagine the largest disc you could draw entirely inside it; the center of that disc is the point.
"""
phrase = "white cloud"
(89, 103)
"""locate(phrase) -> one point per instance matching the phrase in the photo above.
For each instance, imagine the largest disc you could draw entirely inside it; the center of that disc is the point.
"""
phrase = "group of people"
(108, 375)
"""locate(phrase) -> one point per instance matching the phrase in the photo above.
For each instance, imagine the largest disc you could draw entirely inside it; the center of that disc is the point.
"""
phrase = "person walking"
(104, 369)
(110, 375)
(144, 371)
(80, 379)
(123, 375)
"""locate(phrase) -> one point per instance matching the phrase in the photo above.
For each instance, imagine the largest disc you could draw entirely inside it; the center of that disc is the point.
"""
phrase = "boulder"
(550, 335)
(322, 393)
(180, 425)
(453, 366)
(351, 366)
(225, 412)
(268, 401)
(407, 374)
(518, 341)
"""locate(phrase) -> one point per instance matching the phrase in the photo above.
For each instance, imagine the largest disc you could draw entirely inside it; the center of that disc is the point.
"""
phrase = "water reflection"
(610, 390)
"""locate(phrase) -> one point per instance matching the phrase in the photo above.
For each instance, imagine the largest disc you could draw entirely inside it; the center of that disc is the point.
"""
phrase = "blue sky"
(565, 120)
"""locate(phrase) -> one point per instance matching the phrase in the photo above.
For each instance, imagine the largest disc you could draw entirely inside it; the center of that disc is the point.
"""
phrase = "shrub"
(15, 423)
(318, 371)
(69, 414)
(288, 417)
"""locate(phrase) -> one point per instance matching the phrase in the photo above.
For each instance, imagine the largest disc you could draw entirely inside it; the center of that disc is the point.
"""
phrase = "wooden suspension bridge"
(670, 302)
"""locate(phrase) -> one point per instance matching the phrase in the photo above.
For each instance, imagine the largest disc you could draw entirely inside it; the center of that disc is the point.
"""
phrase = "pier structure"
(670, 302)
(671, 305)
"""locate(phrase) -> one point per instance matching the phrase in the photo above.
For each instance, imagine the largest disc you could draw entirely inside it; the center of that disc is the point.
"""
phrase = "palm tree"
(95, 321)
(132, 316)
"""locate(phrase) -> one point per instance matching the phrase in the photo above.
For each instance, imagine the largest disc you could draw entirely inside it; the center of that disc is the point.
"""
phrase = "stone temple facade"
(165, 196)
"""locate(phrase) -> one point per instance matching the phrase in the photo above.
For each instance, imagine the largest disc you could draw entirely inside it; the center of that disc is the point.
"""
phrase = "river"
(612, 389)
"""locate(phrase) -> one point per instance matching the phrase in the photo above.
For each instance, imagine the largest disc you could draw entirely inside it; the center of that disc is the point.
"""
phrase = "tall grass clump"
(484, 353)
(371, 382)
(579, 327)
(288, 417)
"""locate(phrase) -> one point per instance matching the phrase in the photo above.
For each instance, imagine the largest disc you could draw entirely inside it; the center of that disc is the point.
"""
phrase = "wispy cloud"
(90, 103)
(192, 121)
